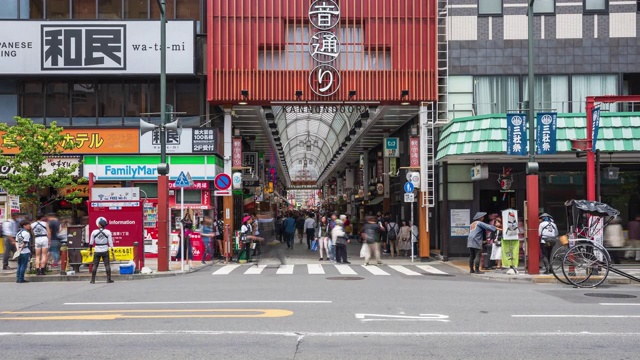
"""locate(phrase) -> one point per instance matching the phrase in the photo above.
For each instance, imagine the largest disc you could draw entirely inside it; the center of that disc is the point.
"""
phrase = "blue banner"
(517, 134)
(595, 117)
(546, 129)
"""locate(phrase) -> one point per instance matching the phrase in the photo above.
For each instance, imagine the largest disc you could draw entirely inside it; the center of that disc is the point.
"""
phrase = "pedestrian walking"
(548, 232)
(496, 244)
(54, 248)
(207, 238)
(393, 231)
(634, 236)
(332, 243)
(371, 234)
(323, 239)
(9, 230)
(42, 240)
(289, 228)
(340, 240)
(404, 239)
(300, 226)
(100, 243)
(310, 229)
(23, 239)
(477, 231)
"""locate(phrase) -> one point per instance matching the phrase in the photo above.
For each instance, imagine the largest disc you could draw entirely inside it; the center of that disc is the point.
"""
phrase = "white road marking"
(315, 269)
(225, 270)
(422, 317)
(404, 270)
(325, 334)
(620, 304)
(375, 270)
(285, 270)
(204, 302)
(431, 269)
(579, 316)
(345, 269)
(255, 270)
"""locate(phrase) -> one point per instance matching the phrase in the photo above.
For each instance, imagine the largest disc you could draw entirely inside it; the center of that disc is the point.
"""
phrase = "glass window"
(188, 97)
(32, 99)
(83, 100)
(7, 87)
(84, 9)
(188, 9)
(551, 93)
(155, 10)
(58, 99)
(544, 7)
(136, 99)
(596, 5)
(489, 7)
(110, 100)
(150, 189)
(496, 94)
(9, 9)
(35, 9)
(57, 9)
(154, 93)
(137, 9)
(591, 85)
(109, 9)
(190, 197)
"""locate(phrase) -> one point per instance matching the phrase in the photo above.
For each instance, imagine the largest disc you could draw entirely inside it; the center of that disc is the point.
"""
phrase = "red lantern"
(64, 204)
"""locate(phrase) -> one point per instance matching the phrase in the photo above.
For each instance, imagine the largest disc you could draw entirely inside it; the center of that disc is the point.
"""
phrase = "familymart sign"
(201, 167)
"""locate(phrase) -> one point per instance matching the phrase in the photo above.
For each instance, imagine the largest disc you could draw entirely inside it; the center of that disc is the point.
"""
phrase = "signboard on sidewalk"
(460, 222)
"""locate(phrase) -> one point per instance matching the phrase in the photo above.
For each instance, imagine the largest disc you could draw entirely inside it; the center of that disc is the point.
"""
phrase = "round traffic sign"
(222, 181)
(408, 187)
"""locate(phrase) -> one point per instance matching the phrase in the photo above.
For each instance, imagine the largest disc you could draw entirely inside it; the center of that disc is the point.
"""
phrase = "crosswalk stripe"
(431, 269)
(285, 270)
(345, 269)
(375, 270)
(255, 270)
(404, 270)
(225, 270)
(315, 269)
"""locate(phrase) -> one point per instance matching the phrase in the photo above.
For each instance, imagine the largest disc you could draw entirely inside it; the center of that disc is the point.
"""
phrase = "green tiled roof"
(488, 133)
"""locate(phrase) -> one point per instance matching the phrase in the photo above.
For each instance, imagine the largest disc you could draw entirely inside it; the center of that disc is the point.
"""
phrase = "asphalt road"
(305, 316)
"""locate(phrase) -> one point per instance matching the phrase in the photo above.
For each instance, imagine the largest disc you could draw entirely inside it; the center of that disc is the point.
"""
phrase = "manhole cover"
(345, 278)
(611, 296)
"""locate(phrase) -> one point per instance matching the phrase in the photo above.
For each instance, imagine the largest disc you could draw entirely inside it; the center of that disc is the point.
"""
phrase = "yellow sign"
(122, 253)
(270, 188)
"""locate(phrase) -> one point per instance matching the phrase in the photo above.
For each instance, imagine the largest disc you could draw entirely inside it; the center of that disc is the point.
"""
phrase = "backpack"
(392, 233)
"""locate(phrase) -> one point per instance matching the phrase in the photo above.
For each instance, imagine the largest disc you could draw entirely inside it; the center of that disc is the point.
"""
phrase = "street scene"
(319, 179)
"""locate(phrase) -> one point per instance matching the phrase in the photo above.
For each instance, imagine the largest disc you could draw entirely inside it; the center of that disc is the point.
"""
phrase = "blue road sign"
(408, 187)
(182, 180)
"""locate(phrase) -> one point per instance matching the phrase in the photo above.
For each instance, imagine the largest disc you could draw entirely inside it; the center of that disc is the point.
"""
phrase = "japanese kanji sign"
(324, 47)
(414, 151)
(94, 141)
(237, 152)
(95, 47)
(595, 117)
(546, 128)
(517, 134)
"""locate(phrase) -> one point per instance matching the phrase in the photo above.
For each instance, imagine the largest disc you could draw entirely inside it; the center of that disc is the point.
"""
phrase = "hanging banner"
(414, 151)
(237, 152)
(516, 134)
(510, 224)
(393, 167)
(379, 167)
(595, 117)
(546, 130)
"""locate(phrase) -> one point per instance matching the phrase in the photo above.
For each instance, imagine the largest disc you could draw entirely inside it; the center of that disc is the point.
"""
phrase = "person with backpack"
(392, 236)
(42, 236)
(219, 238)
(23, 238)
(300, 226)
(548, 232)
(101, 240)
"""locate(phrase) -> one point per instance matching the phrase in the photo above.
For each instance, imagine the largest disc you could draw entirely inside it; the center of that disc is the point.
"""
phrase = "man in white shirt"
(310, 229)
(548, 232)
(9, 229)
(101, 240)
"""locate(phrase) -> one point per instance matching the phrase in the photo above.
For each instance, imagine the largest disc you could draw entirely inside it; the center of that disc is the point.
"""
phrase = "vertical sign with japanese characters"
(324, 47)
(250, 162)
(546, 129)
(516, 134)
(379, 167)
(414, 151)
(204, 140)
(237, 152)
(595, 117)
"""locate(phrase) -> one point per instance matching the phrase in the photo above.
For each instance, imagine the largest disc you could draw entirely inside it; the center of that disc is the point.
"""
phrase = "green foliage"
(34, 143)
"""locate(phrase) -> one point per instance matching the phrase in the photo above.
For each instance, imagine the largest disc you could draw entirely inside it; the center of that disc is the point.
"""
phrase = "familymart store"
(141, 171)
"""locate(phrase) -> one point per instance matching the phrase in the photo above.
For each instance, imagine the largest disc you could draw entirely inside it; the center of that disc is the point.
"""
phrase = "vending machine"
(150, 227)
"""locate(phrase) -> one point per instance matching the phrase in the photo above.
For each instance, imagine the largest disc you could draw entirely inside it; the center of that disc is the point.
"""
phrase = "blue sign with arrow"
(182, 180)
(408, 187)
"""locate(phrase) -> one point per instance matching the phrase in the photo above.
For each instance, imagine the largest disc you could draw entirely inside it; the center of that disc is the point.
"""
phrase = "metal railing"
(575, 107)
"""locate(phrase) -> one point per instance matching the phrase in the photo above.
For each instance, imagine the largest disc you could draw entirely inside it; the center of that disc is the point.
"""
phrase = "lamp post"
(163, 167)
(533, 264)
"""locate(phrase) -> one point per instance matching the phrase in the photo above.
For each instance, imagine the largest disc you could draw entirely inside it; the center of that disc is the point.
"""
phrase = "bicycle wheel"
(556, 264)
(586, 265)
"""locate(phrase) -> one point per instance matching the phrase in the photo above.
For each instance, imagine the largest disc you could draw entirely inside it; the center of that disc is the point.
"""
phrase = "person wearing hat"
(548, 232)
(102, 240)
(477, 231)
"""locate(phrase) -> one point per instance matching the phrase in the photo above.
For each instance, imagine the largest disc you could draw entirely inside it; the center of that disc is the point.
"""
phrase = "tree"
(25, 166)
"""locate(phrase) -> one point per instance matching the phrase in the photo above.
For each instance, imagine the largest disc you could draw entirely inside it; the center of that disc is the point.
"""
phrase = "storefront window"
(188, 97)
(32, 100)
(150, 190)
(137, 9)
(135, 99)
(109, 9)
(110, 104)
(35, 9)
(84, 9)
(190, 196)
(83, 100)
(57, 100)
(169, 9)
(57, 9)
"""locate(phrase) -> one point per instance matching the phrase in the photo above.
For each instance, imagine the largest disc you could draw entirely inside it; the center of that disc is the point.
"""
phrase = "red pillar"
(591, 159)
(533, 243)
(163, 224)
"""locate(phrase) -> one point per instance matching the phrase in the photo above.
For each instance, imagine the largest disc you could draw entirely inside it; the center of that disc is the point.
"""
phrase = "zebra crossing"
(328, 269)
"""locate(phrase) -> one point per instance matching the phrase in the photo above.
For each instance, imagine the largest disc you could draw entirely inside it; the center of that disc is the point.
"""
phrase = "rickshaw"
(582, 259)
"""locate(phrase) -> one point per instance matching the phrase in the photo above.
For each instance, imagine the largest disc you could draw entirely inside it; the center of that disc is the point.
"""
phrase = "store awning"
(487, 134)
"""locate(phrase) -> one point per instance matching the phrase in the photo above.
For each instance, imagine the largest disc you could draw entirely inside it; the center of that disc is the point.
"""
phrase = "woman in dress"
(404, 237)
(496, 244)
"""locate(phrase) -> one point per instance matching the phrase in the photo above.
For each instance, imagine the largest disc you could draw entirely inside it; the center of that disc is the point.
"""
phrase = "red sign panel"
(125, 223)
(197, 185)
(237, 152)
(414, 151)
(380, 167)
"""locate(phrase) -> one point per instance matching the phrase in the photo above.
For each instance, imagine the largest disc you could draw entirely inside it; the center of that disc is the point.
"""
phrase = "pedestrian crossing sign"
(182, 180)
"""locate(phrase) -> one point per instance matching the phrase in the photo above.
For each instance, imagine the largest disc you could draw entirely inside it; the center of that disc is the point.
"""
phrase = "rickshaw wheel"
(586, 265)
(556, 264)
